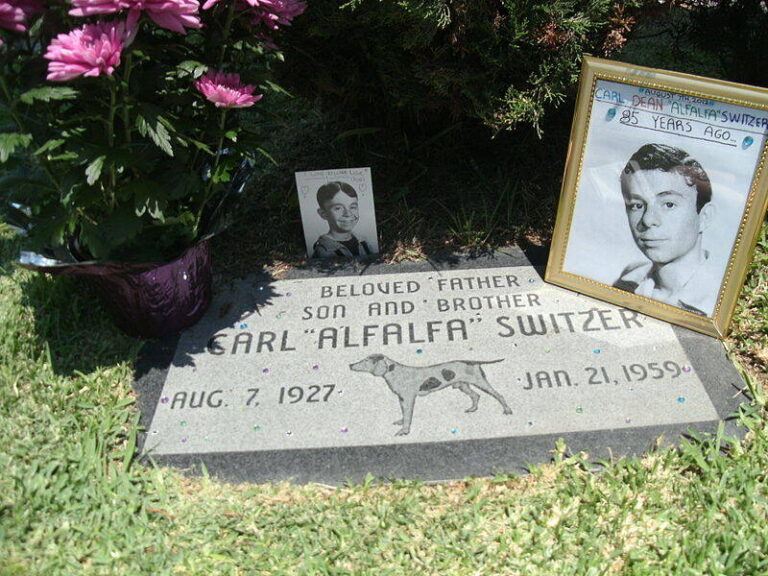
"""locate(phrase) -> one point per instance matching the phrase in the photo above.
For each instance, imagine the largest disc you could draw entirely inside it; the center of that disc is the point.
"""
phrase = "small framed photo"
(664, 193)
(337, 213)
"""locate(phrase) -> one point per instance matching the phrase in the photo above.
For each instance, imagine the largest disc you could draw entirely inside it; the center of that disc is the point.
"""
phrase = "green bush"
(504, 62)
(721, 39)
(733, 34)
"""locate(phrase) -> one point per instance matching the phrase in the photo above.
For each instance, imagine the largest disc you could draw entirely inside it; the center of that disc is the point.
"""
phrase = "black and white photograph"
(664, 182)
(337, 213)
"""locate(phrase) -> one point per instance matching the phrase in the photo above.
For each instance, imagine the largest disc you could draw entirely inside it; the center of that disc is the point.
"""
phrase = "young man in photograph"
(338, 206)
(667, 195)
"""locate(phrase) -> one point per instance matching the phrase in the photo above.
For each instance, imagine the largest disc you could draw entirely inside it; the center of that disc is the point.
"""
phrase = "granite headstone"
(432, 370)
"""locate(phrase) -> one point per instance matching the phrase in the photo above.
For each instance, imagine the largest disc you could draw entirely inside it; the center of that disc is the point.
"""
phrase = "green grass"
(750, 326)
(73, 501)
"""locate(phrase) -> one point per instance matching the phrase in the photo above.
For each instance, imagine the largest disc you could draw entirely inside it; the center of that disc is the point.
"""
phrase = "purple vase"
(147, 300)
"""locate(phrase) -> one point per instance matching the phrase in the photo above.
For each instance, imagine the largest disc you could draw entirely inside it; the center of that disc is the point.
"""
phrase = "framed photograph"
(337, 213)
(664, 193)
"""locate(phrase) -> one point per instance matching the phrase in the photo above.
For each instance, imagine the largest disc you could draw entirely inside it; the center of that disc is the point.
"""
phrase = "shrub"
(740, 29)
(504, 62)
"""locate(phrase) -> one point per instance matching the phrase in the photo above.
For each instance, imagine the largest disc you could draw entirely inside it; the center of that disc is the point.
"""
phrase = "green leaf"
(93, 171)
(277, 88)
(34, 30)
(201, 146)
(55, 229)
(155, 209)
(148, 196)
(18, 182)
(138, 190)
(192, 67)
(267, 155)
(66, 156)
(9, 141)
(358, 132)
(112, 231)
(222, 174)
(48, 93)
(155, 128)
(231, 135)
(49, 146)
(181, 184)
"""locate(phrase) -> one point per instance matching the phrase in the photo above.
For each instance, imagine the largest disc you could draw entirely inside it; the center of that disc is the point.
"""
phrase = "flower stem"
(10, 103)
(12, 109)
(227, 28)
(111, 138)
(209, 187)
(126, 110)
(112, 110)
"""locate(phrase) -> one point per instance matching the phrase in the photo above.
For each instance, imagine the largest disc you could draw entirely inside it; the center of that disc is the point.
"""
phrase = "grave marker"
(469, 368)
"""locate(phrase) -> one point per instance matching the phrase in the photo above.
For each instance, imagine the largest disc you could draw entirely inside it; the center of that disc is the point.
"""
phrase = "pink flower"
(226, 90)
(276, 13)
(273, 13)
(175, 15)
(15, 13)
(94, 7)
(91, 50)
(12, 17)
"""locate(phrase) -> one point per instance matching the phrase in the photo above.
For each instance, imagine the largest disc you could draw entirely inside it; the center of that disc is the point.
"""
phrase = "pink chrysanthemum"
(94, 7)
(175, 15)
(12, 17)
(92, 50)
(15, 13)
(226, 90)
(276, 13)
(272, 13)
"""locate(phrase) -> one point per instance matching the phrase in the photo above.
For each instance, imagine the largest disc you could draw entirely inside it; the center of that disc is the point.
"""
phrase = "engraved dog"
(408, 382)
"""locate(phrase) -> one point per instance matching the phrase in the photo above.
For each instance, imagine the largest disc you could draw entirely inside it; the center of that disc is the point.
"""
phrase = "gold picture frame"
(646, 144)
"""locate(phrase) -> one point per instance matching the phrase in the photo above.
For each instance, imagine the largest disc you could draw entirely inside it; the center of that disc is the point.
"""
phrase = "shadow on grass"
(74, 326)
(69, 323)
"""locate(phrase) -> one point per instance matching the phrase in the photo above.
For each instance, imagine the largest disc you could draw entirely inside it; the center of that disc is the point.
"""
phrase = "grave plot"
(429, 371)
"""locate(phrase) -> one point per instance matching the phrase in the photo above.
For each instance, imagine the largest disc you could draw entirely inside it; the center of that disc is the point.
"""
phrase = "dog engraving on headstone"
(429, 374)
(408, 382)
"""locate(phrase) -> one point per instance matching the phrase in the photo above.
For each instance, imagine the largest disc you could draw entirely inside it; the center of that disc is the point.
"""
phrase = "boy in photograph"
(338, 206)
(668, 201)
